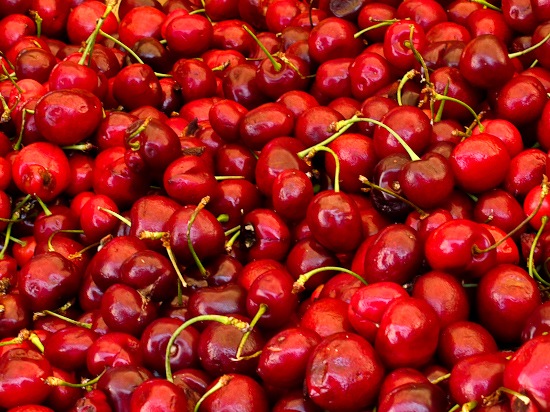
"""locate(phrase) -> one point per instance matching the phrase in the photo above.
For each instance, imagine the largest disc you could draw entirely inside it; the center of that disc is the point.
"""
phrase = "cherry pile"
(274, 205)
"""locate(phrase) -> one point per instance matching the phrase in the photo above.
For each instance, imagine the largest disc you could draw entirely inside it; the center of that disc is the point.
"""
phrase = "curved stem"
(204, 201)
(166, 244)
(375, 26)
(336, 161)
(226, 320)
(90, 42)
(222, 381)
(276, 65)
(66, 319)
(299, 285)
(439, 97)
(366, 181)
(530, 49)
(543, 194)
(486, 4)
(124, 220)
(261, 311)
(531, 259)
(408, 76)
(341, 127)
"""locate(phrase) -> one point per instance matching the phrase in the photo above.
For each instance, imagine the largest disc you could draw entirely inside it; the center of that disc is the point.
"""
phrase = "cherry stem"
(6, 114)
(383, 23)
(166, 244)
(19, 142)
(50, 238)
(15, 216)
(65, 318)
(204, 201)
(441, 379)
(468, 406)
(336, 161)
(55, 381)
(530, 49)
(544, 192)
(124, 220)
(408, 76)
(90, 42)
(45, 208)
(485, 3)
(11, 79)
(340, 128)
(531, 259)
(134, 144)
(439, 114)
(261, 311)
(232, 230)
(229, 244)
(518, 395)
(38, 21)
(78, 255)
(441, 97)
(83, 147)
(218, 178)
(23, 335)
(299, 285)
(410, 44)
(223, 218)
(225, 320)
(276, 65)
(130, 51)
(222, 381)
(421, 212)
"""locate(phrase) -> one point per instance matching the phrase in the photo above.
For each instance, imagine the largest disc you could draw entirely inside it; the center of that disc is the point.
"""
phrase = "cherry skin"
(368, 304)
(67, 348)
(493, 303)
(512, 97)
(136, 85)
(485, 62)
(119, 383)
(397, 36)
(417, 396)
(240, 391)
(291, 193)
(333, 38)
(283, 361)
(223, 300)
(523, 371)
(462, 339)
(264, 123)
(349, 361)
(480, 163)
(266, 235)
(41, 169)
(23, 372)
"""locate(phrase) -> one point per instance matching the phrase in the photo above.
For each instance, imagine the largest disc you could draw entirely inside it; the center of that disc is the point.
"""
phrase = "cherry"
(369, 16)
(333, 38)
(13, 27)
(536, 203)
(188, 179)
(368, 304)
(154, 340)
(472, 156)
(120, 382)
(326, 316)
(485, 62)
(444, 294)
(81, 21)
(54, 16)
(264, 123)
(63, 397)
(238, 390)
(493, 304)
(511, 96)
(222, 300)
(136, 85)
(240, 85)
(235, 198)
(218, 345)
(295, 401)
(16, 314)
(400, 38)
(266, 235)
(416, 396)
(67, 348)
(195, 78)
(314, 125)
(463, 339)
(523, 373)
(23, 372)
(95, 398)
(225, 117)
(291, 193)
(41, 169)
(348, 361)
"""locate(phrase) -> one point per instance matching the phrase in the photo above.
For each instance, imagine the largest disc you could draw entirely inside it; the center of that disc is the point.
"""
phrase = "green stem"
(408, 76)
(336, 161)
(299, 285)
(543, 194)
(229, 244)
(54, 381)
(218, 178)
(531, 259)
(225, 320)
(124, 220)
(222, 381)
(15, 216)
(204, 201)
(439, 114)
(530, 49)
(439, 97)
(45, 208)
(375, 26)
(276, 65)
(172, 257)
(38, 21)
(91, 40)
(66, 319)
(261, 311)
(232, 230)
(486, 4)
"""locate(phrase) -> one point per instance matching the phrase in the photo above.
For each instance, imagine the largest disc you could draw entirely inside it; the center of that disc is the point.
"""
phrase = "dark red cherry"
(67, 348)
(419, 329)
(291, 193)
(333, 38)
(238, 390)
(485, 62)
(48, 281)
(414, 396)
(351, 362)
(136, 85)
(23, 372)
(265, 235)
